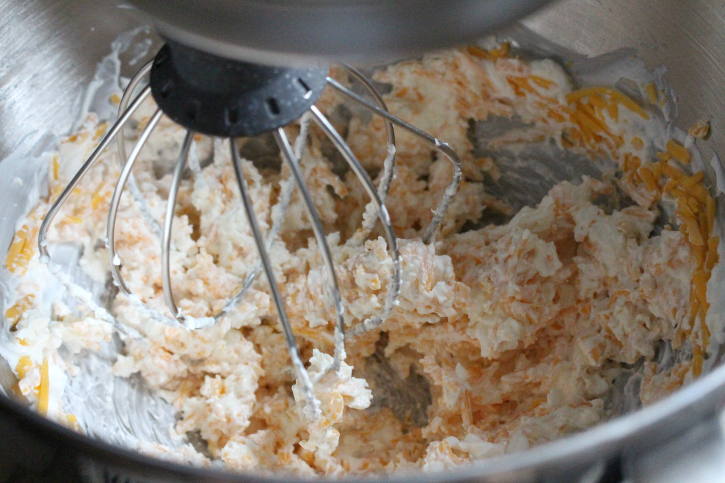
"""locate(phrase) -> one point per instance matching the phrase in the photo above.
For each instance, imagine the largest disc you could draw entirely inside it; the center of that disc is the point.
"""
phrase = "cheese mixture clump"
(505, 336)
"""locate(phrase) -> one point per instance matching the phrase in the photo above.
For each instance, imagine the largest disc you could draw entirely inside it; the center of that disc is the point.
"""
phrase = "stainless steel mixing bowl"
(49, 52)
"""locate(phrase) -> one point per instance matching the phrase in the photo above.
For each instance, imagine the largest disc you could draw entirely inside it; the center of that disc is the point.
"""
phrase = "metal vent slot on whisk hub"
(222, 97)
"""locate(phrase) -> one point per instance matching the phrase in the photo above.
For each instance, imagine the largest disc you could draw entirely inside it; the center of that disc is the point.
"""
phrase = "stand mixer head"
(293, 32)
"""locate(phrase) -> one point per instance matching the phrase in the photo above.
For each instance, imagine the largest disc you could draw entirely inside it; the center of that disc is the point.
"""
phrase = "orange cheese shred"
(693, 180)
(24, 365)
(701, 130)
(612, 94)
(44, 392)
(673, 172)
(56, 167)
(693, 231)
(13, 314)
(678, 151)
(72, 421)
(699, 279)
(697, 360)
(541, 82)
(16, 247)
(651, 91)
(712, 255)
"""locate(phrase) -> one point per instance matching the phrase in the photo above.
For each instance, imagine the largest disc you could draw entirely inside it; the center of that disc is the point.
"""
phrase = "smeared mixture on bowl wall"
(510, 335)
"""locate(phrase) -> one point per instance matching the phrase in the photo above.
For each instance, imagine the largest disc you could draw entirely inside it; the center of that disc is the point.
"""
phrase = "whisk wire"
(438, 145)
(168, 222)
(333, 287)
(113, 257)
(278, 213)
(386, 177)
(394, 288)
(312, 405)
(121, 142)
(123, 105)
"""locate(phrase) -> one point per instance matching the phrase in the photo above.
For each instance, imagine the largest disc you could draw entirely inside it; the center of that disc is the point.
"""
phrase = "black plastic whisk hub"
(221, 97)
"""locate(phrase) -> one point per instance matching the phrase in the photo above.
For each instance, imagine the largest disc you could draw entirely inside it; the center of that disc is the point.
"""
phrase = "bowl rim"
(701, 398)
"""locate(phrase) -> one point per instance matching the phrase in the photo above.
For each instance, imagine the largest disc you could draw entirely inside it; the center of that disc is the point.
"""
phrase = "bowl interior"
(52, 49)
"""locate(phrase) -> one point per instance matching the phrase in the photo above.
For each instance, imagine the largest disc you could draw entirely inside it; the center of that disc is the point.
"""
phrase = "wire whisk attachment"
(230, 99)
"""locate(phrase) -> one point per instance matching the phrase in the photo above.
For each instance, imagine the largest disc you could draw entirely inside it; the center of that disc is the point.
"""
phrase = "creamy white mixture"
(518, 331)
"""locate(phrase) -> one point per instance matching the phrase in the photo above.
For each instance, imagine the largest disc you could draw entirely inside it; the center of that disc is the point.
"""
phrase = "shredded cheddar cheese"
(701, 130)
(21, 249)
(652, 94)
(13, 314)
(678, 152)
(43, 393)
(24, 365)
